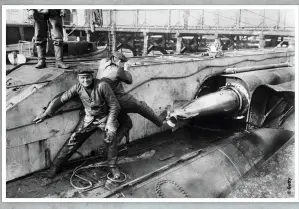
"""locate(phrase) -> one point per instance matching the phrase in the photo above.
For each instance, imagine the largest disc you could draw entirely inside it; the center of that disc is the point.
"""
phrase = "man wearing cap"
(44, 20)
(112, 71)
(101, 112)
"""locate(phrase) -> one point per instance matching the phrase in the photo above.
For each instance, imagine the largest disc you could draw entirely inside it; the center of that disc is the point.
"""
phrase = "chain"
(159, 192)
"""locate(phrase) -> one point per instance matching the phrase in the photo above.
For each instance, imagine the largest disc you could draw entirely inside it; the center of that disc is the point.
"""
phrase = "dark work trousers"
(41, 28)
(78, 137)
(82, 133)
(129, 104)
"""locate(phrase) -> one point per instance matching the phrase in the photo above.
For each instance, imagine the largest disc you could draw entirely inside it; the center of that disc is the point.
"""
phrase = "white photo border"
(295, 8)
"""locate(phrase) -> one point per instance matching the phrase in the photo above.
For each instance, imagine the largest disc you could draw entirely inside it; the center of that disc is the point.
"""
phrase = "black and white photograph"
(149, 102)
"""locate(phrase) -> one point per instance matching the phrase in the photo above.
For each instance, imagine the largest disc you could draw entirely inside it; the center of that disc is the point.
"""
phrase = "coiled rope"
(96, 165)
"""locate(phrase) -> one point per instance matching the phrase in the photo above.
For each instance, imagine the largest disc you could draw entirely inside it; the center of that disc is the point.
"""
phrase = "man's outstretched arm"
(56, 103)
(124, 76)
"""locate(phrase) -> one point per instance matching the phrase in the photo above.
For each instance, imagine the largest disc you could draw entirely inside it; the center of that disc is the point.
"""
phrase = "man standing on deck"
(48, 20)
(101, 112)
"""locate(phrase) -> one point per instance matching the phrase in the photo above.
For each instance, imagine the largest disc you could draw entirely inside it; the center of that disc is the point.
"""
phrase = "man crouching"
(101, 112)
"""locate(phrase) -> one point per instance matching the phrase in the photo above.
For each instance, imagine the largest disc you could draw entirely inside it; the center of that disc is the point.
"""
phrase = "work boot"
(41, 53)
(53, 171)
(163, 115)
(59, 58)
(115, 172)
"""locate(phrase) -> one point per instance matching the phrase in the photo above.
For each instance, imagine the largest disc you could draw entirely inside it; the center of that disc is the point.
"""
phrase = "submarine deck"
(143, 157)
(147, 155)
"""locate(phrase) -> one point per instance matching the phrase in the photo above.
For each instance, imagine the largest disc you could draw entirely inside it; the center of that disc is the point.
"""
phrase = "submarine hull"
(157, 80)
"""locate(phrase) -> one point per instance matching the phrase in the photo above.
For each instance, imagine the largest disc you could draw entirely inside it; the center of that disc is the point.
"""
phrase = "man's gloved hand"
(109, 137)
(126, 66)
(110, 133)
(40, 118)
(110, 128)
(31, 14)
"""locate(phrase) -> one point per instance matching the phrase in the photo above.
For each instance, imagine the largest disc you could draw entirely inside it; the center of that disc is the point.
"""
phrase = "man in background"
(48, 20)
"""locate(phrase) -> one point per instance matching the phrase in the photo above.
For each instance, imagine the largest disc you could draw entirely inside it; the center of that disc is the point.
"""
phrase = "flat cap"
(84, 71)
(120, 56)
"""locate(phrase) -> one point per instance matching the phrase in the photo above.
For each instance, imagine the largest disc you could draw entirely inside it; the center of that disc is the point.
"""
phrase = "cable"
(230, 18)
(79, 188)
(264, 16)
(200, 69)
(96, 165)
(80, 168)
(210, 27)
(252, 31)
(241, 21)
(164, 78)
(260, 15)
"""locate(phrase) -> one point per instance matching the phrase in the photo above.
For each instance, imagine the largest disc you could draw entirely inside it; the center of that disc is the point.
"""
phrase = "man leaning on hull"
(114, 73)
(48, 20)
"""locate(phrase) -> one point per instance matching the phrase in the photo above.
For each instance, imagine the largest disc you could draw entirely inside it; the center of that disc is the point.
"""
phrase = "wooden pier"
(173, 32)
